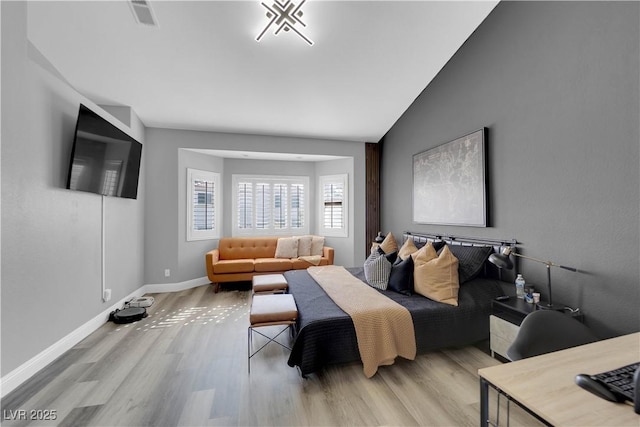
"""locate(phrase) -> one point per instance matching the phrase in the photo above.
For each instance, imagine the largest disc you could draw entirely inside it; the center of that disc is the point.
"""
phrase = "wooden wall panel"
(372, 212)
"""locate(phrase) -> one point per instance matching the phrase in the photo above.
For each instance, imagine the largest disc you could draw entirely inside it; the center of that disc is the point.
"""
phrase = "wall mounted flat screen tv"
(104, 160)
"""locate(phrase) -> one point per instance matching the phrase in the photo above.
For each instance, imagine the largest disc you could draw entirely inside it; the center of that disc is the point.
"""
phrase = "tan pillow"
(408, 248)
(389, 244)
(424, 254)
(317, 245)
(304, 245)
(287, 247)
(438, 279)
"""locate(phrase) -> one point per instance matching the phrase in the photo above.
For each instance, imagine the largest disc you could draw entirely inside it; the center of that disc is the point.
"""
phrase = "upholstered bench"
(270, 310)
(269, 283)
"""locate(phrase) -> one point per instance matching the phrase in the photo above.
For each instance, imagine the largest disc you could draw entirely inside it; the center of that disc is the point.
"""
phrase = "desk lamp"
(502, 260)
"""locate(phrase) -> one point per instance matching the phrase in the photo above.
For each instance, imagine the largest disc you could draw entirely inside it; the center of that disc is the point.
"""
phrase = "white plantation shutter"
(333, 205)
(203, 213)
(203, 205)
(297, 206)
(263, 205)
(270, 205)
(244, 199)
(333, 195)
(280, 203)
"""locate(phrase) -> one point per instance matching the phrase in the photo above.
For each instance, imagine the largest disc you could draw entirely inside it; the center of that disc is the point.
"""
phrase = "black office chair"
(544, 331)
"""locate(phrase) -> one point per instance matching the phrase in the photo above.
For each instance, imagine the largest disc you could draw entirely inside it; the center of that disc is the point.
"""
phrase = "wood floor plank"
(196, 410)
(186, 365)
(79, 416)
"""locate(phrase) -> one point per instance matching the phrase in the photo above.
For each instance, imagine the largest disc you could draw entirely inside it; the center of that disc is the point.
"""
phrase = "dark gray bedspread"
(325, 333)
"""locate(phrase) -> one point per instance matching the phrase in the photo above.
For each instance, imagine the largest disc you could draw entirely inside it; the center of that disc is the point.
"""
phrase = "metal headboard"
(497, 244)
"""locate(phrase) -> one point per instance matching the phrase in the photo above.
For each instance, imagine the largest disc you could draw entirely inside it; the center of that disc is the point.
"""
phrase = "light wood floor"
(186, 365)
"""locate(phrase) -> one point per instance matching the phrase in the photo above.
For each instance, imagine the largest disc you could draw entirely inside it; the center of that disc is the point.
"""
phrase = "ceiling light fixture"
(284, 15)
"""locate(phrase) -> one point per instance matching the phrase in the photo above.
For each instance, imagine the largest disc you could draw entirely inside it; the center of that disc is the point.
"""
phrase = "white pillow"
(287, 247)
(317, 245)
(304, 245)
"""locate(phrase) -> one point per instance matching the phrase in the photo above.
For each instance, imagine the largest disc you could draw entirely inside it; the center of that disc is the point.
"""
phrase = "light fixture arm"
(547, 263)
(502, 261)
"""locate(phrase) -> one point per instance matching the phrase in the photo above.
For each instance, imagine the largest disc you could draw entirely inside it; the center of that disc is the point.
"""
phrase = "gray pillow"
(470, 260)
(377, 269)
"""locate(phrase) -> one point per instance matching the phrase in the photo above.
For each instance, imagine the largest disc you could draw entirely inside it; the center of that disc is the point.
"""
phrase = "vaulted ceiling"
(201, 67)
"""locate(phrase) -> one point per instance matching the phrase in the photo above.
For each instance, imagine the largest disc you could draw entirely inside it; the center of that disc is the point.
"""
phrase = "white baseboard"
(22, 373)
(174, 287)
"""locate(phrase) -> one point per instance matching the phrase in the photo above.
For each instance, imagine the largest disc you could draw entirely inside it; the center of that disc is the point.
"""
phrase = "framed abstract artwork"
(449, 182)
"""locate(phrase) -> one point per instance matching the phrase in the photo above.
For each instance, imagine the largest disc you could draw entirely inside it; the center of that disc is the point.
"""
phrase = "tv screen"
(104, 160)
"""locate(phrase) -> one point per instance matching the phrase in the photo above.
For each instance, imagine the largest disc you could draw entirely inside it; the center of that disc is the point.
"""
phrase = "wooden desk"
(545, 385)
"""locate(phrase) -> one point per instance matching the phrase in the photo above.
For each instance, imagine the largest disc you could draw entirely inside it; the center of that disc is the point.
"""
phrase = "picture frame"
(449, 182)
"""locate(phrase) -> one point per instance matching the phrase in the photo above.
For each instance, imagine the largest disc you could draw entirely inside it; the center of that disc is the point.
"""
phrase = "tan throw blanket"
(384, 328)
(311, 259)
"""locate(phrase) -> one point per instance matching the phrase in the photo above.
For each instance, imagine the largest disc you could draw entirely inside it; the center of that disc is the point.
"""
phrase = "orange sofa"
(240, 258)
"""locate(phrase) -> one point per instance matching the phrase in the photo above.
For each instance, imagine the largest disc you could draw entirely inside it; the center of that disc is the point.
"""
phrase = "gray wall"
(165, 243)
(344, 244)
(190, 254)
(557, 84)
(51, 237)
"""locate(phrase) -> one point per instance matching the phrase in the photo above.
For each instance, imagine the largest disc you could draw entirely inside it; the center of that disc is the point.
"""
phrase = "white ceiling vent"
(143, 13)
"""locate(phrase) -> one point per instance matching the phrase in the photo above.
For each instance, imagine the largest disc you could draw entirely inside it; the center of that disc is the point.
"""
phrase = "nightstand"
(504, 322)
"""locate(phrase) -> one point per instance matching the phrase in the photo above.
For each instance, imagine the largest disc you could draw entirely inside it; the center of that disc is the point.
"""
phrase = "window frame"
(342, 179)
(215, 232)
(272, 180)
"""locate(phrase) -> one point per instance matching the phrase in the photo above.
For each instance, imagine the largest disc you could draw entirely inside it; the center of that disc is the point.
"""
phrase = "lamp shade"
(501, 261)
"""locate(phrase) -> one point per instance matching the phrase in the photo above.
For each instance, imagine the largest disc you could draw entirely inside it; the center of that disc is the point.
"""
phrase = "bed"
(325, 334)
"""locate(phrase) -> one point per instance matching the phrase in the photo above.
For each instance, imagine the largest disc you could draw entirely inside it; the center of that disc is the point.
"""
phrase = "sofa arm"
(210, 259)
(327, 252)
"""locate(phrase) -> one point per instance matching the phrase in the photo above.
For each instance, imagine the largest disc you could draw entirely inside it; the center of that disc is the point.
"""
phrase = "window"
(333, 196)
(270, 205)
(203, 205)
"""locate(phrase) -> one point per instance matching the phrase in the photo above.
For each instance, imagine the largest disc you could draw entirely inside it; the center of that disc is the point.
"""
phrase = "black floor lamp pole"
(550, 305)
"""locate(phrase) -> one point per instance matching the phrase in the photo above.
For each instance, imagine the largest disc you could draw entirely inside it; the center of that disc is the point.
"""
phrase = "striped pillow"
(377, 269)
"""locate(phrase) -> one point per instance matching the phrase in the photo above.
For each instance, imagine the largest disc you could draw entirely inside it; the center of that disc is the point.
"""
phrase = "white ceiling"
(263, 155)
(202, 69)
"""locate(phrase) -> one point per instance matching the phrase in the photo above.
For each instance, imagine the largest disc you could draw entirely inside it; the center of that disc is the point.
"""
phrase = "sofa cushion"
(317, 244)
(233, 266)
(287, 247)
(247, 247)
(273, 264)
(304, 245)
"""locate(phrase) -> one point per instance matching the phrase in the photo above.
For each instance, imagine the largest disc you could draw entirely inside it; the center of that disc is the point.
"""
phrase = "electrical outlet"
(107, 295)
(167, 272)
